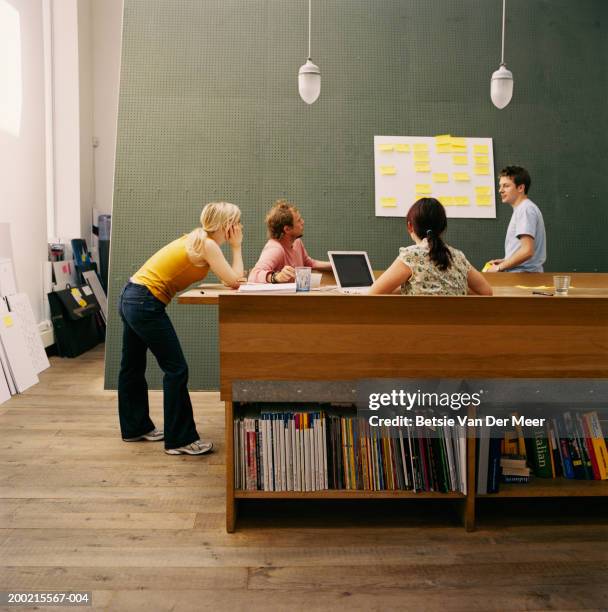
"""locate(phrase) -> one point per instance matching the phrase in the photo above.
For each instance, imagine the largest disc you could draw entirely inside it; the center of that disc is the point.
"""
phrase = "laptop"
(352, 271)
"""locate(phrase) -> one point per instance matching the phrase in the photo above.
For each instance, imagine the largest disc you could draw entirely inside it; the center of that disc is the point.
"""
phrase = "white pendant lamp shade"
(309, 82)
(309, 76)
(501, 87)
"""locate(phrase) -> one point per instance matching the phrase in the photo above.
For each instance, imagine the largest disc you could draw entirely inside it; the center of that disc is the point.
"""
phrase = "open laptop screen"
(352, 270)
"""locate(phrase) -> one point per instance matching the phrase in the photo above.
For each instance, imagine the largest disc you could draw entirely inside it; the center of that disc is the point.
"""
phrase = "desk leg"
(469, 509)
(231, 513)
(230, 501)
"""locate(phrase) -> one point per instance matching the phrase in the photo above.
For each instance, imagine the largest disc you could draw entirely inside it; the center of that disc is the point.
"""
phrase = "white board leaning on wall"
(458, 171)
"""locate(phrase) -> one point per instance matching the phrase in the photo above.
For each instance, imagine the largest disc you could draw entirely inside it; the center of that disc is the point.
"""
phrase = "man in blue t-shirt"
(525, 249)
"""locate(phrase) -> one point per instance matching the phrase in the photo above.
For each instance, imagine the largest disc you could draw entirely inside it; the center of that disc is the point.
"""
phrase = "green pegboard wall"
(209, 110)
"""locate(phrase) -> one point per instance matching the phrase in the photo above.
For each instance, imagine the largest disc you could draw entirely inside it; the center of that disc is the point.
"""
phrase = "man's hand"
(492, 265)
(286, 275)
(234, 236)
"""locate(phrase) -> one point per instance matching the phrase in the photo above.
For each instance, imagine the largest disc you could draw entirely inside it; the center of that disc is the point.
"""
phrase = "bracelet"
(273, 278)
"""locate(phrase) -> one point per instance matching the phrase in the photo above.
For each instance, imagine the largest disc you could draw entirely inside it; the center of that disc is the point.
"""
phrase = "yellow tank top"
(169, 271)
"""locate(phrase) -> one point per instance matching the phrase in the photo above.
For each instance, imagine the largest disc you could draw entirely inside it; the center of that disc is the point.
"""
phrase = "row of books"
(571, 445)
(317, 450)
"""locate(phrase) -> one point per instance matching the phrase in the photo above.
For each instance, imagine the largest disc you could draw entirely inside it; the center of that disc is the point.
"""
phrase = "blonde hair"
(214, 216)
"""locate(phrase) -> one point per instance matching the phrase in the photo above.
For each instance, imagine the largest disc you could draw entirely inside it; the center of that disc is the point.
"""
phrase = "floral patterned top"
(427, 278)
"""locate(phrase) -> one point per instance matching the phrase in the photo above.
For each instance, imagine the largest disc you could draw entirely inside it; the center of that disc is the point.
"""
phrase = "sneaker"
(196, 448)
(156, 435)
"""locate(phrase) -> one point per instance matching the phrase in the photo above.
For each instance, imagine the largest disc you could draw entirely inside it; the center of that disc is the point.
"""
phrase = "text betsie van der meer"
(455, 401)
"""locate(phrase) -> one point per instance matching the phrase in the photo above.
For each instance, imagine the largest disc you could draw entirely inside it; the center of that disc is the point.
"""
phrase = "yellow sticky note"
(421, 147)
(480, 191)
(484, 200)
(447, 200)
(460, 160)
(402, 148)
(480, 149)
(440, 178)
(388, 202)
(7, 320)
(388, 170)
(482, 159)
(443, 148)
(461, 176)
(443, 139)
(461, 200)
(482, 170)
(423, 189)
(421, 156)
(386, 148)
(459, 143)
(422, 167)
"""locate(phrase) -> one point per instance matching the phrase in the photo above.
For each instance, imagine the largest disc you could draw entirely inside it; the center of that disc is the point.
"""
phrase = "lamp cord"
(502, 54)
(309, 22)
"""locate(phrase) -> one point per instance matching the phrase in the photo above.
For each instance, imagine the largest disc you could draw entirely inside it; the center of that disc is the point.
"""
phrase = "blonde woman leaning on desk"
(430, 267)
(146, 326)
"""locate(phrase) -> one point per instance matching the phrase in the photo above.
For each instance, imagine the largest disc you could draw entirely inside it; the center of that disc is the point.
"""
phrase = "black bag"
(76, 320)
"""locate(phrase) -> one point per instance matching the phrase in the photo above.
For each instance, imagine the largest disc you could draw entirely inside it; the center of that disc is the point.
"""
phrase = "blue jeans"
(147, 326)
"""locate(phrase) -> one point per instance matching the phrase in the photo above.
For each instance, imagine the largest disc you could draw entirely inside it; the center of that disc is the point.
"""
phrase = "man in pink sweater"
(285, 250)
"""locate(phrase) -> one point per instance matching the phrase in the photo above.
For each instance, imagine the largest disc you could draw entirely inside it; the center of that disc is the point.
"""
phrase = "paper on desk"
(539, 287)
(267, 288)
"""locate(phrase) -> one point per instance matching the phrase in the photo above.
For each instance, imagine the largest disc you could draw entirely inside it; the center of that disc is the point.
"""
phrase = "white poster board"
(16, 352)
(8, 284)
(65, 273)
(5, 393)
(6, 379)
(93, 281)
(457, 171)
(20, 303)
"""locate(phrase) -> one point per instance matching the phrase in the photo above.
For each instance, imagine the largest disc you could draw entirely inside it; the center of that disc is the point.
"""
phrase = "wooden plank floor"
(81, 510)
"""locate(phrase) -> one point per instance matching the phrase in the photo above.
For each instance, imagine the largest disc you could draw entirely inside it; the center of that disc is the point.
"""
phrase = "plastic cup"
(315, 279)
(562, 284)
(303, 278)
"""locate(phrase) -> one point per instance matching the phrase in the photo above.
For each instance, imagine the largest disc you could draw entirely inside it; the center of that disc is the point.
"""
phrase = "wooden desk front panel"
(345, 338)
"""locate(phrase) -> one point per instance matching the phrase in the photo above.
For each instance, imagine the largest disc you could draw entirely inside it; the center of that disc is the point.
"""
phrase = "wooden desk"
(504, 285)
(324, 337)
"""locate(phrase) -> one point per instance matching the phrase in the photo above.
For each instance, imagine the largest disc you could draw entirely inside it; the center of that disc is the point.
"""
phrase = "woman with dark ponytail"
(430, 267)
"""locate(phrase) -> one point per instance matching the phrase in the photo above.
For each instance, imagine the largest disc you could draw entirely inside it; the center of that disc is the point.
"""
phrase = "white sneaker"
(156, 435)
(195, 448)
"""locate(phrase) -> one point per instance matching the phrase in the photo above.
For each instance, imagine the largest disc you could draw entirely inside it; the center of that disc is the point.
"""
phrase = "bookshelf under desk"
(346, 338)
(551, 487)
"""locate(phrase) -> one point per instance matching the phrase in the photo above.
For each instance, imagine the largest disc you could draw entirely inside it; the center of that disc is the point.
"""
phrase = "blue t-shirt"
(527, 220)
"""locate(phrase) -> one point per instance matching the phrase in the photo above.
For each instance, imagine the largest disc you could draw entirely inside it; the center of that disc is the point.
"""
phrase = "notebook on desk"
(352, 271)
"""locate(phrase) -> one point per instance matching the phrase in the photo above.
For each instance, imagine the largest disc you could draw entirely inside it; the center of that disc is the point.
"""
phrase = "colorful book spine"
(598, 442)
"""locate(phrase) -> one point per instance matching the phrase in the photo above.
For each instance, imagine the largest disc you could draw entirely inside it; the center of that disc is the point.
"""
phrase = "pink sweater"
(276, 255)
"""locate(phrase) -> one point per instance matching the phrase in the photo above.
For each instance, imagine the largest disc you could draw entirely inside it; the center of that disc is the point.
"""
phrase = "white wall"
(107, 37)
(66, 118)
(22, 159)
(86, 48)
(87, 108)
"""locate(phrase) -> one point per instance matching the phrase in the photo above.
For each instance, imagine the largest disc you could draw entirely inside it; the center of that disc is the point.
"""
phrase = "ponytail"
(428, 220)
(439, 253)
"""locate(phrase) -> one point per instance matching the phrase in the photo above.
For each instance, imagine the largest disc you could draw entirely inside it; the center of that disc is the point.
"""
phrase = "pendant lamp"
(309, 76)
(501, 87)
